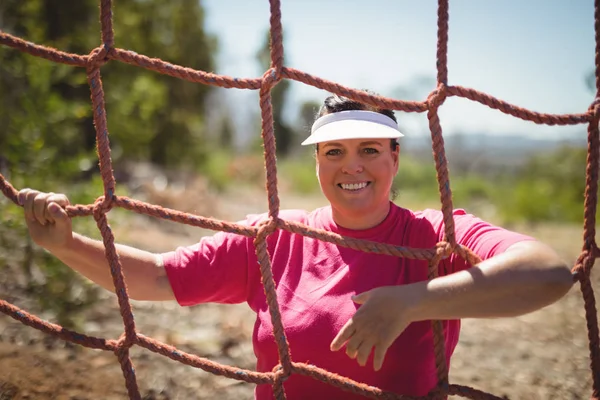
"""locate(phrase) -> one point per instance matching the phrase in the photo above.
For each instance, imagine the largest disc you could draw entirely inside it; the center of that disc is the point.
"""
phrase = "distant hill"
(494, 149)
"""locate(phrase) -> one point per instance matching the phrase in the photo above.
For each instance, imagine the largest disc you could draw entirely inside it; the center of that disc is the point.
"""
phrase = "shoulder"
(436, 217)
(433, 221)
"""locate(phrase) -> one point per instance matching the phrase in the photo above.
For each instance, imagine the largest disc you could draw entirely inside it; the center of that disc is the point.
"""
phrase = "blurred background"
(198, 148)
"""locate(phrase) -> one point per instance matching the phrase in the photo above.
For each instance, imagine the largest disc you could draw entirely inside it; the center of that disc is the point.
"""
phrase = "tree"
(45, 108)
(226, 133)
(47, 138)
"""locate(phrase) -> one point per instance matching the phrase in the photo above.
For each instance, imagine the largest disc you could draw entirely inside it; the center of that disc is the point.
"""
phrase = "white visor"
(353, 124)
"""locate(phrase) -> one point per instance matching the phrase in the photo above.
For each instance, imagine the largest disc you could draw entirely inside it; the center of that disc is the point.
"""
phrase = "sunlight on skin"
(354, 162)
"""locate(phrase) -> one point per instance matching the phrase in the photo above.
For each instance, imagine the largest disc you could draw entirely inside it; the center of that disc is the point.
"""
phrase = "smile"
(354, 186)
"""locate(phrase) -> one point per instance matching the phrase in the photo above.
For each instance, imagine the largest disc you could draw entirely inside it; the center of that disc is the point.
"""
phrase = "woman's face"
(356, 177)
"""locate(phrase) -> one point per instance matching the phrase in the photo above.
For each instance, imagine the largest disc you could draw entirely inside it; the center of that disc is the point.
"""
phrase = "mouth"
(354, 187)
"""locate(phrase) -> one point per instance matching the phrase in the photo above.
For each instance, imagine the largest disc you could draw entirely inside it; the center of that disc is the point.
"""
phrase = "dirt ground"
(543, 355)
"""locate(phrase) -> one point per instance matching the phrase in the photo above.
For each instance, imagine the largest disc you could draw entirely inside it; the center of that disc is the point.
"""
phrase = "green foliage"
(47, 137)
(226, 134)
(549, 187)
(218, 169)
(45, 108)
(299, 175)
(416, 176)
(55, 288)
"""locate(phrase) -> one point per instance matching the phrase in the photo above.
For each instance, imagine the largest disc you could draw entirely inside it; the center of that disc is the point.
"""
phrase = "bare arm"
(525, 278)
(145, 276)
(50, 227)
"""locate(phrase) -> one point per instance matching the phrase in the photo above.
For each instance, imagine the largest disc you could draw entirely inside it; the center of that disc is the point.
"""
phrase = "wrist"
(417, 300)
(65, 246)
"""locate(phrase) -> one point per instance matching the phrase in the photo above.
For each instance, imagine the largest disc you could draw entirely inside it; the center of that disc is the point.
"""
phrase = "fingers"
(355, 342)
(353, 345)
(362, 297)
(379, 356)
(343, 335)
(26, 198)
(40, 207)
(56, 203)
(36, 205)
(59, 199)
(363, 352)
(359, 347)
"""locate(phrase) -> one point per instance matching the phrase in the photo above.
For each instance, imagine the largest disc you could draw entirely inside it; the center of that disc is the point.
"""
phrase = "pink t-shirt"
(315, 281)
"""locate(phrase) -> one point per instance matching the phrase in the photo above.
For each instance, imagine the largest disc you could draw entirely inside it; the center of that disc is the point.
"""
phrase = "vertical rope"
(436, 99)
(268, 137)
(591, 317)
(591, 184)
(125, 307)
(441, 167)
(102, 142)
(442, 43)
(278, 389)
(116, 272)
(276, 36)
(266, 271)
(108, 36)
(129, 373)
(439, 343)
(597, 38)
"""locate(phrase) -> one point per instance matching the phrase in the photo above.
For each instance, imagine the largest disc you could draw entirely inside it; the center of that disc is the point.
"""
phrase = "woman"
(376, 306)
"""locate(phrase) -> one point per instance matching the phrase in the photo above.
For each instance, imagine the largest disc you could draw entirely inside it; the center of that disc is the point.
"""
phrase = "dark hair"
(336, 103)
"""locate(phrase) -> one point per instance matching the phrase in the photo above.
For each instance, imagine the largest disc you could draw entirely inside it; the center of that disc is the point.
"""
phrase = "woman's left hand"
(383, 316)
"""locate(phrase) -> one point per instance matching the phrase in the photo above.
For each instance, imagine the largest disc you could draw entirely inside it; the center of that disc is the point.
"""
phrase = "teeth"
(353, 186)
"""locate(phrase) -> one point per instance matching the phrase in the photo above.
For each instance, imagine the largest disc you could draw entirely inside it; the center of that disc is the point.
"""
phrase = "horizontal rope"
(518, 112)
(56, 330)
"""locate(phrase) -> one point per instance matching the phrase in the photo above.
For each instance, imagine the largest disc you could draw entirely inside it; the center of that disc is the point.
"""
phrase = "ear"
(396, 157)
(317, 167)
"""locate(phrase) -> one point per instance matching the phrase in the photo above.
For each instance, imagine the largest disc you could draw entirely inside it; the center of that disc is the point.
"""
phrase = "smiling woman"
(356, 174)
(377, 306)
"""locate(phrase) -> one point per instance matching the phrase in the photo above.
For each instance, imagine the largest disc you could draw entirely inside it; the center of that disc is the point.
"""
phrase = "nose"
(352, 166)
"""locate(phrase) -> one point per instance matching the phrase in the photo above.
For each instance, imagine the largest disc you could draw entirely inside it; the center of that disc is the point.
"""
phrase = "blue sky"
(532, 53)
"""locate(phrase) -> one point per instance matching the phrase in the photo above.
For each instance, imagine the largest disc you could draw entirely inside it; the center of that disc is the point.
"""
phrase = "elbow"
(557, 281)
(553, 278)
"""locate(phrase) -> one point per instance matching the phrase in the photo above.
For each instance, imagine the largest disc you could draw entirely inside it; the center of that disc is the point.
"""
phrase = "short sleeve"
(213, 270)
(484, 239)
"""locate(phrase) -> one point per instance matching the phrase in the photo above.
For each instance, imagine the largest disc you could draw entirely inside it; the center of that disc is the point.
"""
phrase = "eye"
(333, 152)
(370, 150)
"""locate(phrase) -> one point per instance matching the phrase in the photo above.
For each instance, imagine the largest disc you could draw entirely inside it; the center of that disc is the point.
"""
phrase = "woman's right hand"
(47, 221)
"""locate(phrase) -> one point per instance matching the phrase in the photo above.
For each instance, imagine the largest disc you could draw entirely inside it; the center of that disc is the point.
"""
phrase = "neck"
(360, 220)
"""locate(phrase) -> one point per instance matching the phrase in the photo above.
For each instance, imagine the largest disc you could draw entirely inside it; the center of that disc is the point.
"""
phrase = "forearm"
(144, 275)
(525, 278)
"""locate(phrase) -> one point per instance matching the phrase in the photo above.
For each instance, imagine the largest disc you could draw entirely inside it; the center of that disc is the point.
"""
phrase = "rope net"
(277, 71)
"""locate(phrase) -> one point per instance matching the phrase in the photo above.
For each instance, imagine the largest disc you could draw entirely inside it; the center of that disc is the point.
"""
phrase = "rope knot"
(437, 97)
(281, 374)
(443, 250)
(102, 205)
(266, 228)
(270, 78)
(124, 343)
(99, 56)
(583, 265)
